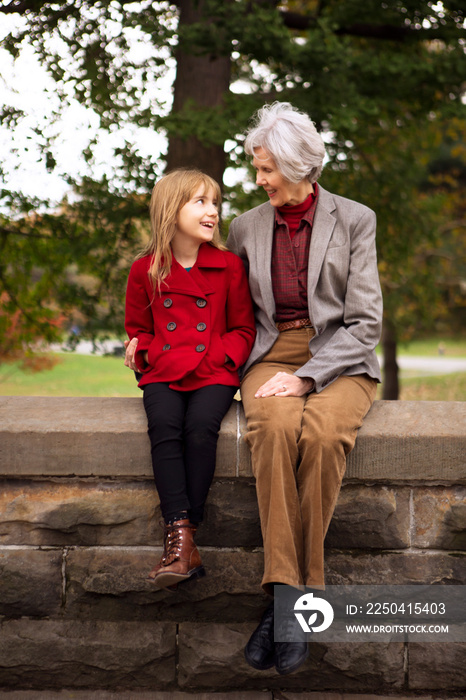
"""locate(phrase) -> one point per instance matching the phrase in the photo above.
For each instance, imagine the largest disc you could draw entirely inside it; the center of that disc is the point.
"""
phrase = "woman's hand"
(284, 384)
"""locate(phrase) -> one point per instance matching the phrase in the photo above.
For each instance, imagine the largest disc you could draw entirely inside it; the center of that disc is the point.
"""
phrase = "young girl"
(189, 310)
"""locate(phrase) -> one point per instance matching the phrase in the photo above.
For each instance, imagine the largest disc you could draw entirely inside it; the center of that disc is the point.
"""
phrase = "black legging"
(183, 429)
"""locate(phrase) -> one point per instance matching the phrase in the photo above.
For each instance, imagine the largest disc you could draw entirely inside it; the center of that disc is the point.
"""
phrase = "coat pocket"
(217, 350)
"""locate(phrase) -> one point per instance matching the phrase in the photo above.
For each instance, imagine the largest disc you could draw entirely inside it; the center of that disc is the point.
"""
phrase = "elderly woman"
(312, 374)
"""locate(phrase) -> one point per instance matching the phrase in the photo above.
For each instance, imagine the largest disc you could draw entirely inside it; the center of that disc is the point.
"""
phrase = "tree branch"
(21, 6)
(390, 32)
(294, 20)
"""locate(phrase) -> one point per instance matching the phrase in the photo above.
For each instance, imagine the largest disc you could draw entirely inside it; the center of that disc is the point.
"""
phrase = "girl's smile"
(197, 219)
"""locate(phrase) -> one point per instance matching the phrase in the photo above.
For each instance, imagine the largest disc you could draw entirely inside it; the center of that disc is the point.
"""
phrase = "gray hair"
(290, 138)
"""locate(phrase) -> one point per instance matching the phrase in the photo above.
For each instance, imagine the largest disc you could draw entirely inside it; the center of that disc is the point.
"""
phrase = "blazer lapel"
(322, 229)
(263, 241)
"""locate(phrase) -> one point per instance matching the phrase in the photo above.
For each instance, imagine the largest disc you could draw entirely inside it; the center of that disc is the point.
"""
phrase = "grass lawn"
(442, 387)
(90, 375)
(73, 375)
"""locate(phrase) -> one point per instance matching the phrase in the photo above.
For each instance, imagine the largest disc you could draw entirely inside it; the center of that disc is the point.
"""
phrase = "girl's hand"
(284, 384)
(130, 351)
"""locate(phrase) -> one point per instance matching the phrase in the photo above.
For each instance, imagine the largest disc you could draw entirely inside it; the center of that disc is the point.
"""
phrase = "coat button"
(167, 303)
(171, 326)
(201, 303)
(200, 348)
(201, 326)
(166, 347)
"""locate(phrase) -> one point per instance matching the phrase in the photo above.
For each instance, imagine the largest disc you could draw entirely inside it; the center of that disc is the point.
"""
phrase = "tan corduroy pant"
(298, 449)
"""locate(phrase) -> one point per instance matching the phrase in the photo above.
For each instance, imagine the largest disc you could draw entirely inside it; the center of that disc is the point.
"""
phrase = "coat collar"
(195, 282)
(209, 256)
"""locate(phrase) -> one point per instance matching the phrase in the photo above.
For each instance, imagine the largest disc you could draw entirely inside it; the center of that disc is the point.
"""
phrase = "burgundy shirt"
(290, 256)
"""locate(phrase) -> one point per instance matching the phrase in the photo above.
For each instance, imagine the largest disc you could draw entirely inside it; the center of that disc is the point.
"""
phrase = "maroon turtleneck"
(290, 256)
(294, 214)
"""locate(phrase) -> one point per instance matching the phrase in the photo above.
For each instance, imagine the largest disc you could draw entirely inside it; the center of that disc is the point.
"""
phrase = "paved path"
(431, 365)
(86, 347)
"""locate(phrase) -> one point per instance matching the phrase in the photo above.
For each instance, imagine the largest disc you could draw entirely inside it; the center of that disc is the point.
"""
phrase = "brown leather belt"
(296, 323)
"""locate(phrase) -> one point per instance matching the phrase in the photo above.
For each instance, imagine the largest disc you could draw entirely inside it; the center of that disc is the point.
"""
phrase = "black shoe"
(289, 656)
(260, 650)
(292, 650)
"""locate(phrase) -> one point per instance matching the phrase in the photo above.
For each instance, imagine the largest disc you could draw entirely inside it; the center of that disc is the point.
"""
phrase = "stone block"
(370, 517)
(73, 436)
(111, 583)
(394, 568)
(50, 654)
(78, 513)
(228, 454)
(221, 695)
(150, 695)
(90, 436)
(231, 515)
(438, 666)
(411, 440)
(31, 582)
(94, 512)
(211, 655)
(440, 517)
(356, 696)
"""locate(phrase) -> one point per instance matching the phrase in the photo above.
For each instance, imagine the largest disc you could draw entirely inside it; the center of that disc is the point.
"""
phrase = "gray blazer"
(344, 296)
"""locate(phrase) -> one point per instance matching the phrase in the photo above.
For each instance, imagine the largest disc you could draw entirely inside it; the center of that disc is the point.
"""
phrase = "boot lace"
(173, 540)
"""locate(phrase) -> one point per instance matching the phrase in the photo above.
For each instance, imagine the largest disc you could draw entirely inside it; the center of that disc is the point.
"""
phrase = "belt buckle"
(303, 323)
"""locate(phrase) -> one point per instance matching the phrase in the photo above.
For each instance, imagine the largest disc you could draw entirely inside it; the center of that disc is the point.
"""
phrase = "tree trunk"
(202, 80)
(390, 366)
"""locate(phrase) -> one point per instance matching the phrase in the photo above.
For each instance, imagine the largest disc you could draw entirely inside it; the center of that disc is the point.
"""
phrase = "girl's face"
(198, 218)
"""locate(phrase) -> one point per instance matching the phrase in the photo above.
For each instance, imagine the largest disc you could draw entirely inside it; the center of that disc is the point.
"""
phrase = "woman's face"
(279, 190)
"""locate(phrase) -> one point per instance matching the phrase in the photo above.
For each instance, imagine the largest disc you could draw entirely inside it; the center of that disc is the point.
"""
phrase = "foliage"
(382, 79)
(65, 270)
(388, 169)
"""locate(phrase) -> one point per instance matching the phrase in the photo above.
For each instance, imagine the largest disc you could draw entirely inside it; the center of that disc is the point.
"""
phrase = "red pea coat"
(197, 319)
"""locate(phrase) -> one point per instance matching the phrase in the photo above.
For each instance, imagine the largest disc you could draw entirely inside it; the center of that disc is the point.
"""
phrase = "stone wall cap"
(90, 436)
(22, 414)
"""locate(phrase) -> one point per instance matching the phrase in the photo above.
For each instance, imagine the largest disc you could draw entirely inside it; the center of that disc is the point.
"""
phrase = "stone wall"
(79, 531)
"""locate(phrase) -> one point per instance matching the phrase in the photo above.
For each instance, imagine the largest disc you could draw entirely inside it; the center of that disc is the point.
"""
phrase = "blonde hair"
(169, 196)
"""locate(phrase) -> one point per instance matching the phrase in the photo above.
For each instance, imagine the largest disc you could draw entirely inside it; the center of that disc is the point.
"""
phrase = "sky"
(26, 85)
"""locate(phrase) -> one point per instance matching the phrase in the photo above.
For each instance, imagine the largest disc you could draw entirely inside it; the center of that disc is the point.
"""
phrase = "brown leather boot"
(180, 559)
